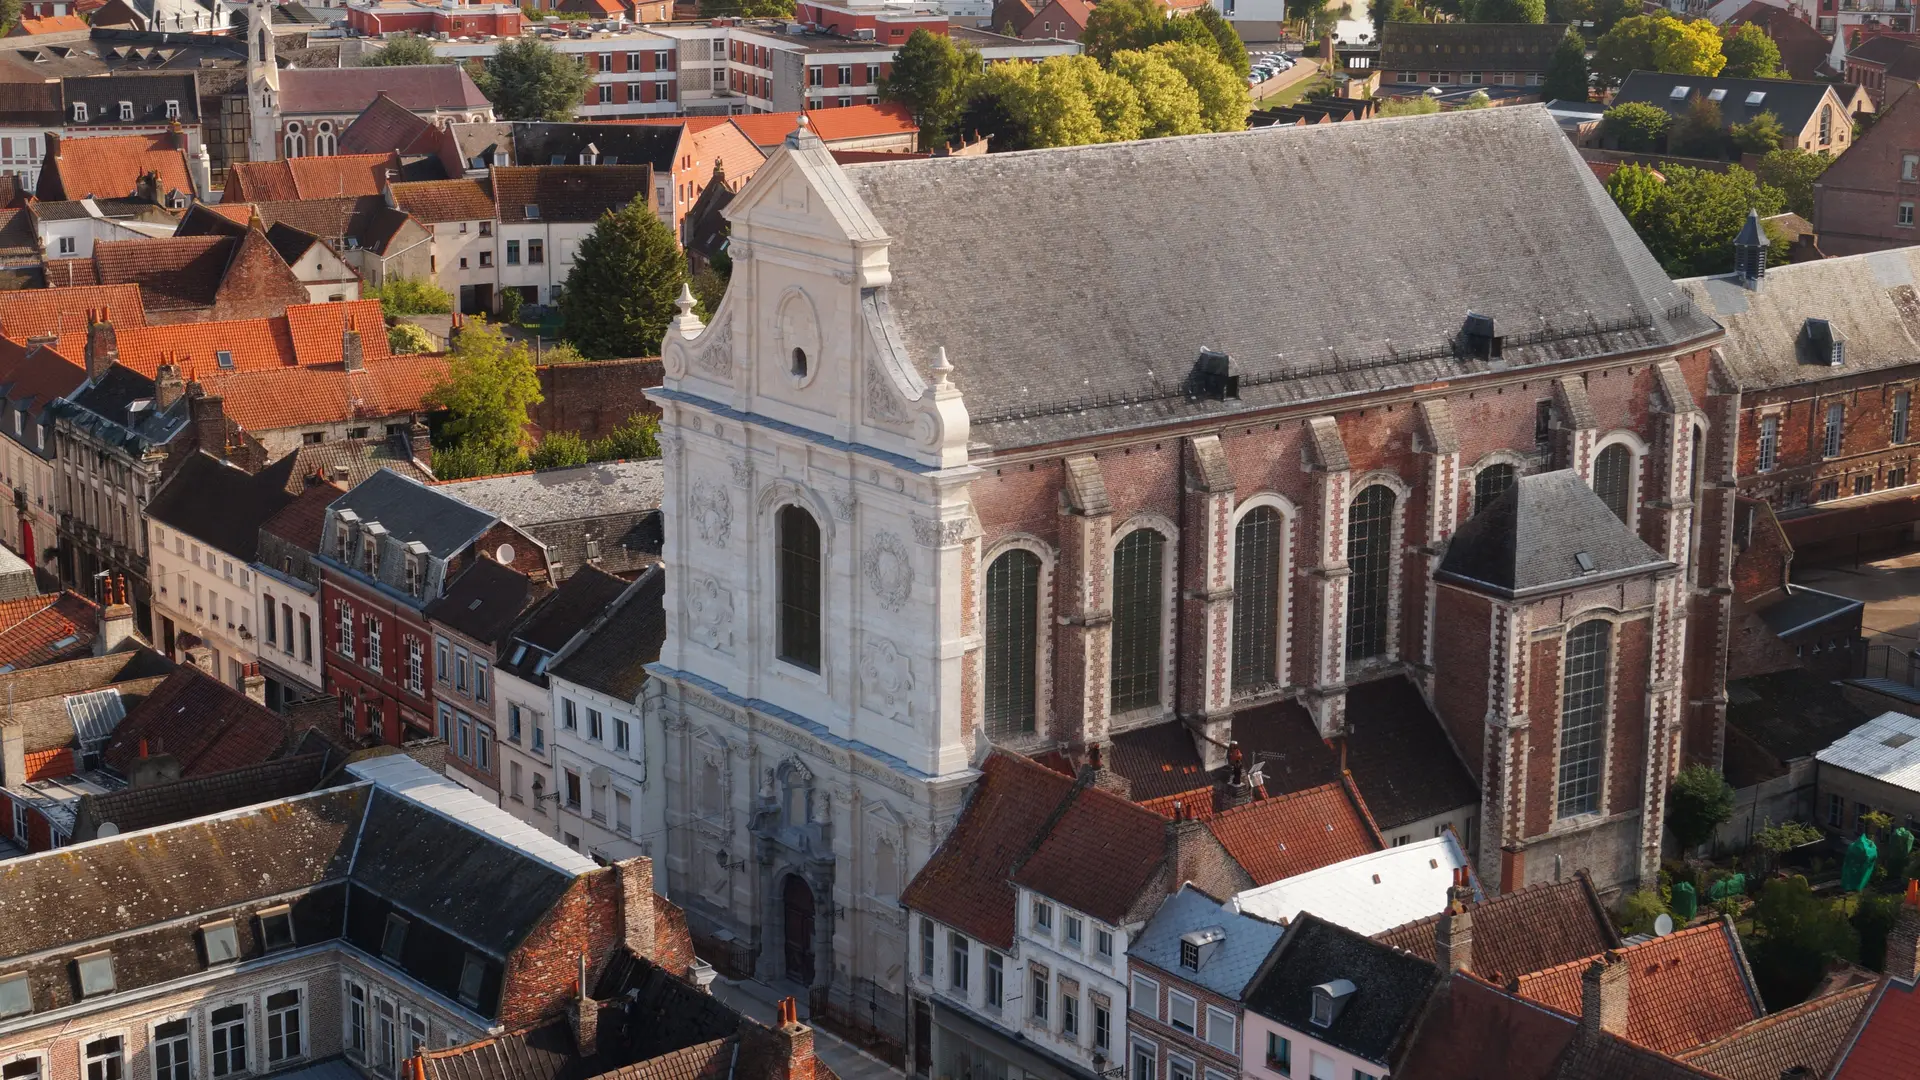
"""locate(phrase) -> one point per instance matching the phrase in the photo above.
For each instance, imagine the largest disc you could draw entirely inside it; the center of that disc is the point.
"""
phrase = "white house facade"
(203, 591)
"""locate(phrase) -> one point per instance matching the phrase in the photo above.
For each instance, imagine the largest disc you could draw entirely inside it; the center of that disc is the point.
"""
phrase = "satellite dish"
(107, 828)
(1662, 925)
(503, 554)
(599, 777)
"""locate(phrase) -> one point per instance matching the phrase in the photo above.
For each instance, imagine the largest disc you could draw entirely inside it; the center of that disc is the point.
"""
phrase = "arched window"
(1258, 553)
(1583, 717)
(1138, 561)
(798, 585)
(1371, 541)
(1013, 643)
(1489, 484)
(1613, 480)
(323, 139)
(296, 142)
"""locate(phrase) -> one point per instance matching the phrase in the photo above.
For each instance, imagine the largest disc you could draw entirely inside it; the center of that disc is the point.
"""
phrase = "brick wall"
(1543, 715)
(592, 399)
(543, 973)
(1462, 652)
(1192, 1046)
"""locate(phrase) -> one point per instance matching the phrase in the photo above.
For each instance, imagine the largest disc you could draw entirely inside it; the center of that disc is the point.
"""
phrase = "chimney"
(1096, 774)
(1750, 252)
(209, 416)
(176, 135)
(420, 438)
(253, 684)
(168, 386)
(1903, 941)
(1513, 869)
(1453, 935)
(103, 347)
(341, 474)
(13, 755)
(350, 352)
(797, 1040)
(199, 656)
(584, 1015)
(116, 618)
(1603, 995)
(637, 907)
(146, 187)
(151, 769)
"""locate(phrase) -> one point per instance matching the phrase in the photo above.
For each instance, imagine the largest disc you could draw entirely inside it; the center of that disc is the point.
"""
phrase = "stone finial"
(685, 300)
(942, 369)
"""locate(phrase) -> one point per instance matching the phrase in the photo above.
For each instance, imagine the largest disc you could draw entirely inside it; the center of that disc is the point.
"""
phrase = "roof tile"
(1888, 1042)
(111, 166)
(1096, 828)
(204, 724)
(1807, 1035)
(1521, 932)
(1292, 834)
(1684, 990)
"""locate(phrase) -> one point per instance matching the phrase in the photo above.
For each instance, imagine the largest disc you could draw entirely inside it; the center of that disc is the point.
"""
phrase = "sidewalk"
(757, 999)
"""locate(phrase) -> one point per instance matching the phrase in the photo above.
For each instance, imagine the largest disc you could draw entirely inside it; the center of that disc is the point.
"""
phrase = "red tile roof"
(965, 885)
(1684, 990)
(434, 201)
(111, 166)
(204, 724)
(1808, 1035)
(1522, 932)
(291, 397)
(1278, 838)
(308, 335)
(34, 376)
(383, 127)
(51, 24)
(310, 177)
(302, 521)
(832, 125)
(1097, 829)
(26, 313)
(1887, 1043)
(46, 629)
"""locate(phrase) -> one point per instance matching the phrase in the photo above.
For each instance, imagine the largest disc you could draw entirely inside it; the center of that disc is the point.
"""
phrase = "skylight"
(1680, 93)
(224, 358)
(1755, 98)
(1718, 93)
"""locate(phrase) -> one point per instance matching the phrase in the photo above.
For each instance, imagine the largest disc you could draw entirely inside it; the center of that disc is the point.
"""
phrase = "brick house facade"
(1865, 200)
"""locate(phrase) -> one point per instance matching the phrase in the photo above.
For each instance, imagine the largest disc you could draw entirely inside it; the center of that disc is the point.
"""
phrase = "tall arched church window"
(1258, 555)
(1583, 717)
(1013, 643)
(1371, 541)
(1139, 562)
(1613, 480)
(798, 586)
(1490, 483)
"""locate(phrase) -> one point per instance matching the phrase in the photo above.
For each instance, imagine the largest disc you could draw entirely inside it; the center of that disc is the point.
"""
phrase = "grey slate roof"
(221, 504)
(1090, 317)
(536, 498)
(1870, 299)
(614, 657)
(1803, 607)
(485, 600)
(539, 143)
(1249, 939)
(572, 608)
(147, 92)
(1390, 988)
(1792, 103)
(1465, 46)
(1531, 537)
(132, 809)
(413, 511)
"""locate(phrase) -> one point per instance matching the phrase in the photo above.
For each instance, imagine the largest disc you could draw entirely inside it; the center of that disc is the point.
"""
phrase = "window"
(569, 715)
(1146, 996)
(1826, 123)
(1180, 1012)
(1910, 167)
(1835, 433)
(1863, 484)
(1220, 1029)
(1829, 489)
(173, 110)
(284, 1025)
(482, 747)
(416, 1035)
(596, 725)
(1042, 917)
(926, 948)
(1179, 1068)
(1103, 943)
(306, 638)
(513, 253)
(68, 246)
(96, 973)
(1279, 1053)
(1836, 812)
(79, 112)
(1897, 476)
(16, 995)
(1013, 643)
(536, 252)
(1102, 1023)
(416, 675)
(1041, 988)
(470, 976)
(1069, 1015)
(27, 1068)
(1258, 552)
(394, 938)
(798, 584)
(1613, 480)
(1905, 219)
(1370, 550)
(276, 928)
(1146, 1061)
(1075, 931)
(459, 669)
(1583, 708)
(573, 788)
(357, 1020)
(957, 952)
(1490, 483)
(106, 1058)
(1138, 580)
(606, 93)
(229, 1031)
(172, 1054)
(996, 979)
(221, 942)
(622, 812)
(387, 1032)
(1769, 450)
(345, 644)
(479, 679)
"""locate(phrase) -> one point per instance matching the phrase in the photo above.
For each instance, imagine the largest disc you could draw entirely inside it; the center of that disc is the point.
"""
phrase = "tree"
(1689, 222)
(9, 14)
(1699, 801)
(1115, 104)
(1795, 935)
(405, 338)
(489, 387)
(634, 440)
(1603, 14)
(1751, 54)
(1658, 43)
(930, 76)
(625, 279)
(1635, 190)
(1233, 51)
(1224, 99)
(526, 79)
(1636, 126)
(409, 296)
(746, 9)
(1117, 25)
(1168, 102)
(558, 450)
(1567, 77)
(402, 50)
(1419, 105)
(460, 462)
(1760, 135)
(1507, 11)
(559, 352)
(1699, 132)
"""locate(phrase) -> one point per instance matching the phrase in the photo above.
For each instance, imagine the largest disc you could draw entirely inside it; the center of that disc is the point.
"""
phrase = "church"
(1210, 454)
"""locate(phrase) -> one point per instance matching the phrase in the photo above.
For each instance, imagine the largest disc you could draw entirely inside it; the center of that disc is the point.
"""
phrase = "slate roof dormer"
(1546, 531)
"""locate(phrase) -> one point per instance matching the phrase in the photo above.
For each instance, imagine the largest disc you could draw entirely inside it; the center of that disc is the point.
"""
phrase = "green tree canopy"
(490, 385)
(1689, 222)
(409, 296)
(1167, 101)
(558, 450)
(1226, 40)
(746, 9)
(1117, 25)
(1658, 43)
(1760, 135)
(1635, 126)
(930, 76)
(9, 14)
(626, 276)
(1507, 11)
(1751, 54)
(1699, 801)
(527, 79)
(402, 50)
(1795, 935)
(1793, 171)
(1699, 132)
(405, 338)
(1567, 71)
(1418, 105)
(1601, 13)
(1224, 99)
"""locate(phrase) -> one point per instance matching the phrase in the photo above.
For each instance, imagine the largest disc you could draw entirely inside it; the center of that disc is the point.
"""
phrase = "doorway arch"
(797, 904)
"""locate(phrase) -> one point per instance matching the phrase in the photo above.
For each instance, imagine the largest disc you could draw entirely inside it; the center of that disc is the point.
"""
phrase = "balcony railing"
(1883, 7)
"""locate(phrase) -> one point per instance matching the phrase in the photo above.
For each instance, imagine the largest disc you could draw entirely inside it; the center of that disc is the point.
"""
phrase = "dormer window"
(471, 974)
(126, 110)
(221, 940)
(96, 974)
(1328, 999)
(79, 112)
(394, 938)
(173, 110)
(369, 553)
(1190, 955)
(16, 995)
(413, 575)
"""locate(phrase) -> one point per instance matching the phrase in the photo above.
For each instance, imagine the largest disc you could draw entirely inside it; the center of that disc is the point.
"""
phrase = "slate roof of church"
(1534, 535)
(1490, 211)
